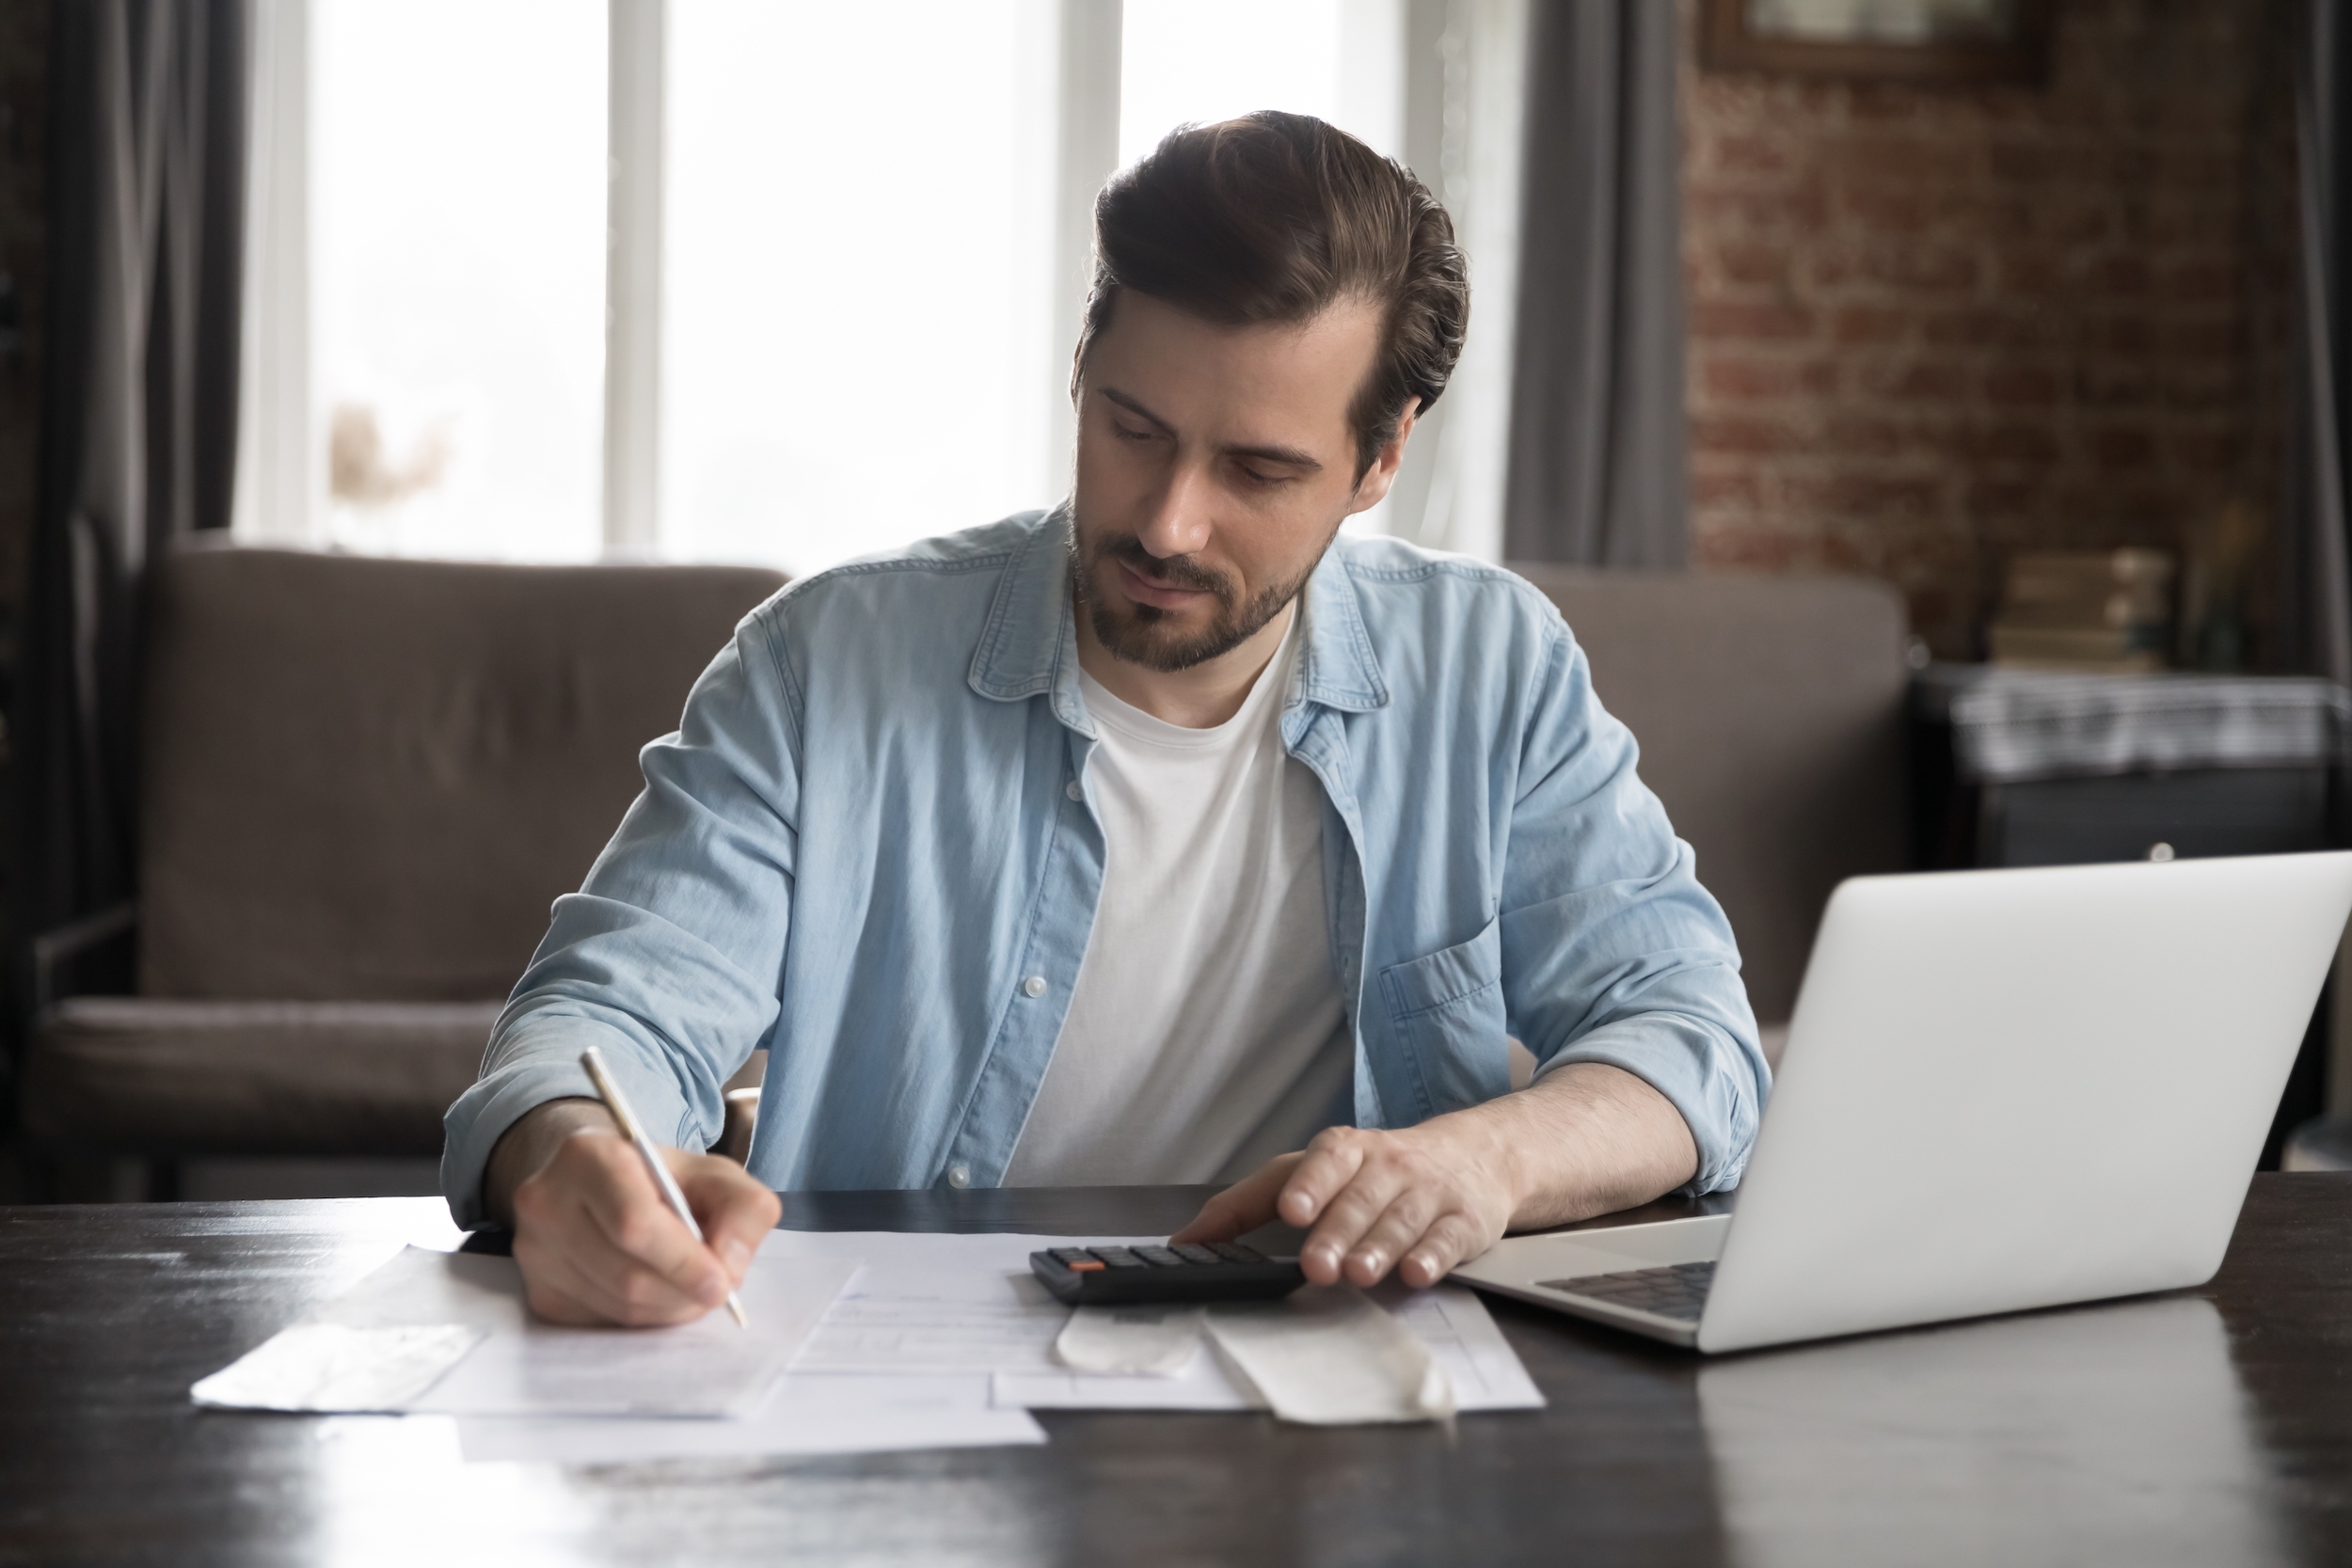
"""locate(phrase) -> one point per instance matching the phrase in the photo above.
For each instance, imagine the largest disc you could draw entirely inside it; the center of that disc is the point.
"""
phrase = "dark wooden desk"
(2206, 1426)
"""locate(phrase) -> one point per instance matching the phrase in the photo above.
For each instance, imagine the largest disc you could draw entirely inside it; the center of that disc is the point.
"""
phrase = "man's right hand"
(594, 1237)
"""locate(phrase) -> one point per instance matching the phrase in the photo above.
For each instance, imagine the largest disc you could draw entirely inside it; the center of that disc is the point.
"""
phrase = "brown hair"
(1273, 218)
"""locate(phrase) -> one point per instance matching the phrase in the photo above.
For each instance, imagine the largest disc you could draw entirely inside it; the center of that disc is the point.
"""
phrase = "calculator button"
(1087, 1265)
(1072, 1254)
(1159, 1256)
(1233, 1252)
(1194, 1254)
(1118, 1257)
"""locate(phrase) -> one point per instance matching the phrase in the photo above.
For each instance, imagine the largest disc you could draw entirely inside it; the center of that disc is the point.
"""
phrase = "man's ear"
(1373, 488)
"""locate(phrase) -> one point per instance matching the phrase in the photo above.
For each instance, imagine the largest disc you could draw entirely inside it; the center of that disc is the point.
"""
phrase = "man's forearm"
(1585, 1139)
(531, 1143)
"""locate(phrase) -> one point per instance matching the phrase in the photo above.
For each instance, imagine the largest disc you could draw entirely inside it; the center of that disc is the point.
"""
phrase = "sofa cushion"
(139, 1075)
(369, 778)
(1770, 715)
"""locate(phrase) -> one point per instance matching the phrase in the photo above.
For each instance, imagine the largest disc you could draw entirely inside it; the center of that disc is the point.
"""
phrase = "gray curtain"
(2314, 601)
(140, 407)
(1599, 446)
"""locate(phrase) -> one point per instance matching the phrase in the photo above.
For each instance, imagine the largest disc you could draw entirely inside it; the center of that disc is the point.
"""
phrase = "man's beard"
(1145, 634)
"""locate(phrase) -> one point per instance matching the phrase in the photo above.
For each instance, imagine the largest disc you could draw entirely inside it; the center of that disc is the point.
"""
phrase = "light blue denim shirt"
(869, 847)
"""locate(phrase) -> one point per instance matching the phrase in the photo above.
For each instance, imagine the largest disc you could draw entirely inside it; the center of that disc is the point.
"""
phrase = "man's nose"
(1179, 521)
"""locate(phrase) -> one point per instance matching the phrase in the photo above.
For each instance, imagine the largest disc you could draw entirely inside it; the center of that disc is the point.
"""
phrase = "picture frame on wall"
(1959, 42)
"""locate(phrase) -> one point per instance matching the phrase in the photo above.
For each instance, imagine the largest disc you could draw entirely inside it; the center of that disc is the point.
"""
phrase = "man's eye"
(1263, 481)
(1127, 434)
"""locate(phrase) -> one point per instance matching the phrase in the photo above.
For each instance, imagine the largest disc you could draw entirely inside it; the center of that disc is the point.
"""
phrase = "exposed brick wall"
(1929, 327)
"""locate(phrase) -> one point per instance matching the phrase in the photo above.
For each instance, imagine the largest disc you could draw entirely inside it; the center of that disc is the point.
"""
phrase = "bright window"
(868, 263)
(1200, 60)
(457, 243)
(857, 280)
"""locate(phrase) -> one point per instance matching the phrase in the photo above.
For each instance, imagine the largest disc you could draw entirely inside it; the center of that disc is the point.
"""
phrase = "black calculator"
(1129, 1277)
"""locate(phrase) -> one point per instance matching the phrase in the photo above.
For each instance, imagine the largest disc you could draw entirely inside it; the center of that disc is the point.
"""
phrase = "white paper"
(1145, 1341)
(522, 1366)
(939, 1341)
(1203, 1385)
(805, 1413)
(926, 1302)
(1326, 1355)
(1452, 1321)
(332, 1367)
(1462, 1336)
(959, 1303)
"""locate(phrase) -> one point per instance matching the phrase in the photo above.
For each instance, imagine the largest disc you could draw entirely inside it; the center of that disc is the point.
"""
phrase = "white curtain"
(1465, 118)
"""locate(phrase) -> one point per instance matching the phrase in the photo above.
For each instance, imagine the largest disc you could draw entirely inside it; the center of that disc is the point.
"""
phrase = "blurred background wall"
(24, 275)
(1930, 326)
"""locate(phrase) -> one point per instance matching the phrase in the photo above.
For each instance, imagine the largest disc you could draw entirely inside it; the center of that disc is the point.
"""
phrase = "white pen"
(610, 1092)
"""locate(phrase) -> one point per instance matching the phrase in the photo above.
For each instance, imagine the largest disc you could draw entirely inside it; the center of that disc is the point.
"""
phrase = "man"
(1163, 837)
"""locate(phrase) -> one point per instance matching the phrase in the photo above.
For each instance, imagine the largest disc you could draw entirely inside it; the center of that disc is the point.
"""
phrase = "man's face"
(1215, 465)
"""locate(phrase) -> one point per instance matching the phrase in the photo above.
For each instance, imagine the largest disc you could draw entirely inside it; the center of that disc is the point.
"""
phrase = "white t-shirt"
(1207, 1033)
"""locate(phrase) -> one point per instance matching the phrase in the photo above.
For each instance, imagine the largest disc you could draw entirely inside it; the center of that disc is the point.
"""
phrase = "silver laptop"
(2002, 1089)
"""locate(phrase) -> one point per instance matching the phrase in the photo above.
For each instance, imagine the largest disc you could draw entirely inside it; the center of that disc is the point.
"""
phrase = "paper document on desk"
(1326, 1355)
(926, 1302)
(804, 1413)
(335, 1367)
(1453, 1324)
(968, 1304)
(902, 1361)
(514, 1364)
(1155, 1341)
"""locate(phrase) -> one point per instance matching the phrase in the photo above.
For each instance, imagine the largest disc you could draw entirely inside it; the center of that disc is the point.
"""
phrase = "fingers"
(581, 1278)
(1392, 1229)
(1454, 1238)
(596, 1242)
(1332, 1190)
(1422, 1235)
(1337, 1240)
(1385, 1201)
(638, 1221)
(1242, 1207)
(736, 1210)
(1328, 1165)
(590, 1283)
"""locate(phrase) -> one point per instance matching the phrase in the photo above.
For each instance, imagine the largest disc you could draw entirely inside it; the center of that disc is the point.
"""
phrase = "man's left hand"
(1417, 1201)
(1584, 1140)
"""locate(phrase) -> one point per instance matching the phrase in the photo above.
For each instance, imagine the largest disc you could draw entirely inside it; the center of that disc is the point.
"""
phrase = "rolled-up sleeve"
(667, 958)
(1612, 950)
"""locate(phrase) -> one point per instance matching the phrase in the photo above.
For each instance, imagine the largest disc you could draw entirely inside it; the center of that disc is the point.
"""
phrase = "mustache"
(1175, 571)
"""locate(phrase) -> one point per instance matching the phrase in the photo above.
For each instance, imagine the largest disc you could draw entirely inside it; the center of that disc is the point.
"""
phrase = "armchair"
(362, 782)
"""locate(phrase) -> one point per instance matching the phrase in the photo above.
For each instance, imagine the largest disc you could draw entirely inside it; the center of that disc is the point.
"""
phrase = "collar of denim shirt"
(1030, 643)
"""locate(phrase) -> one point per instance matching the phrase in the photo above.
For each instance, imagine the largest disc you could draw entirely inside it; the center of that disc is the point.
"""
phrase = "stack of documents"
(860, 1341)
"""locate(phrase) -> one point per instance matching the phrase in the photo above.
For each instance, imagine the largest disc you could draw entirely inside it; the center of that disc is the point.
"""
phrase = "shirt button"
(1033, 986)
(1073, 790)
(958, 1176)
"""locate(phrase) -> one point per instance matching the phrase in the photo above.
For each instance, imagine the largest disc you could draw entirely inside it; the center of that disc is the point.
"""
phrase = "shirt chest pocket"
(1446, 1009)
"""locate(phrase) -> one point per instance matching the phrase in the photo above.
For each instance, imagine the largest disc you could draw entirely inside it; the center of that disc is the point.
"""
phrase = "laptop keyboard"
(1677, 1290)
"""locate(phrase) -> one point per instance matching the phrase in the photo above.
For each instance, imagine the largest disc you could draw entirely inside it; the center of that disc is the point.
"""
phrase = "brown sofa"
(363, 782)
